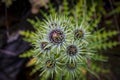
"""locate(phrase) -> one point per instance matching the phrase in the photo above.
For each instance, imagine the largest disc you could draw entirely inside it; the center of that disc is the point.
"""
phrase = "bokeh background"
(13, 18)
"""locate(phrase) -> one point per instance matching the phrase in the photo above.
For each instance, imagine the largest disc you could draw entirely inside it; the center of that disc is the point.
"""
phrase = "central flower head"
(50, 63)
(72, 50)
(56, 36)
(78, 34)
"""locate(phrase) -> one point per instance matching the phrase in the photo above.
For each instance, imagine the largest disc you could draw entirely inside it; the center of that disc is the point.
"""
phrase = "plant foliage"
(67, 43)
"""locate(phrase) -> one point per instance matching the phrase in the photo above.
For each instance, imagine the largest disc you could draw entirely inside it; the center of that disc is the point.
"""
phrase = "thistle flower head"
(56, 31)
(42, 48)
(72, 70)
(73, 51)
(49, 65)
(78, 33)
(56, 36)
(81, 33)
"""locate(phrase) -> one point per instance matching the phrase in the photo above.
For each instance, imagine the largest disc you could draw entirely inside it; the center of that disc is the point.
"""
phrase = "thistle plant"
(67, 43)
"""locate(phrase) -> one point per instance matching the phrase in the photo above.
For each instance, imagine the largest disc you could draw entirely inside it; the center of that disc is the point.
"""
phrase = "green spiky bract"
(66, 44)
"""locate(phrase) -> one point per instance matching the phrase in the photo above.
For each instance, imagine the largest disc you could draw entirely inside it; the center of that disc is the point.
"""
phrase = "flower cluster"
(60, 45)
